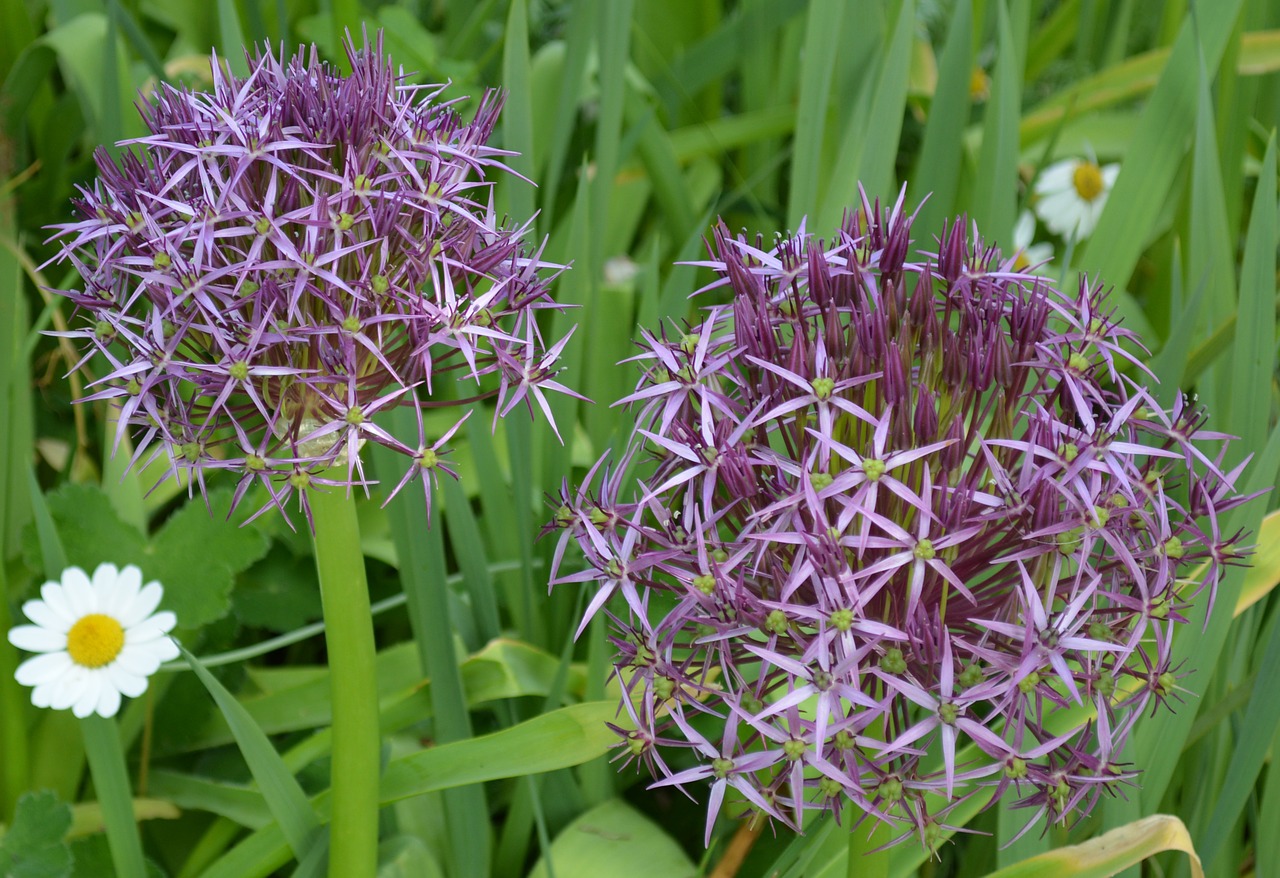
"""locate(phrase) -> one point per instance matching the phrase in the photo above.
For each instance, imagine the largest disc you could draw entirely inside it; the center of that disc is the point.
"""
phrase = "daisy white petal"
(33, 638)
(43, 668)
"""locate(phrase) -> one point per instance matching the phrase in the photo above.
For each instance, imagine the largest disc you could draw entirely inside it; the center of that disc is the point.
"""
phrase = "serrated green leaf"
(90, 531)
(195, 556)
(34, 846)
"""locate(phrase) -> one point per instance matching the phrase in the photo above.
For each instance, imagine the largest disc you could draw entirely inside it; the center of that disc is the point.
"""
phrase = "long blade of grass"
(821, 46)
(870, 144)
(1254, 348)
(111, 784)
(469, 549)
(1251, 374)
(232, 38)
(280, 789)
(942, 150)
(517, 112)
(578, 42)
(995, 188)
(422, 571)
(1134, 204)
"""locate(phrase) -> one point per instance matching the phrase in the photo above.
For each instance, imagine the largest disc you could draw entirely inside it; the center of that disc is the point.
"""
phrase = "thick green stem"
(111, 783)
(344, 592)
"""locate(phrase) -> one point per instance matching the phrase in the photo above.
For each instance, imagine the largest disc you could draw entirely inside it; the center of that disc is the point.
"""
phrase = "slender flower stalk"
(272, 268)
(344, 594)
(884, 523)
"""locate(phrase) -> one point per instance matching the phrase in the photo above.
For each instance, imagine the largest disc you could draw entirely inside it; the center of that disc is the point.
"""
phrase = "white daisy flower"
(1029, 256)
(1072, 194)
(98, 639)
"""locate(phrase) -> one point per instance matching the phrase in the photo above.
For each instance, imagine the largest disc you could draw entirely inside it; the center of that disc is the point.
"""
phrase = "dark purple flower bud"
(924, 515)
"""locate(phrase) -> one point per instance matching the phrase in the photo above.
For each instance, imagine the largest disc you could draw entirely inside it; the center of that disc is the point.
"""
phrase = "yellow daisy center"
(1088, 180)
(95, 640)
(1021, 262)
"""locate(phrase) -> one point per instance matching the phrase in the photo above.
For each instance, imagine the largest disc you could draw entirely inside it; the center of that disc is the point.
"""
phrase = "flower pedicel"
(890, 521)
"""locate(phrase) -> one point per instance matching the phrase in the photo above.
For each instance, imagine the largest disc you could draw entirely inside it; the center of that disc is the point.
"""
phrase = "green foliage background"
(641, 121)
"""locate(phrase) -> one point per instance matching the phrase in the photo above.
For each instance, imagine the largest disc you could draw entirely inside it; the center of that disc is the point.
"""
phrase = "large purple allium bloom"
(280, 260)
(896, 528)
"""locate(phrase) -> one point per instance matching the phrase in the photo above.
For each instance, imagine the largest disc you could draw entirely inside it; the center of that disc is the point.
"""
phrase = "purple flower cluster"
(279, 260)
(899, 528)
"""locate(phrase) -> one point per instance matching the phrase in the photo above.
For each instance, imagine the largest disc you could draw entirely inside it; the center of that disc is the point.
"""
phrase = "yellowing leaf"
(1111, 853)
(1264, 565)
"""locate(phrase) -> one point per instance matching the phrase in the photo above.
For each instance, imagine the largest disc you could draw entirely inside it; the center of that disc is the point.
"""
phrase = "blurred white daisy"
(1072, 194)
(1029, 256)
(98, 639)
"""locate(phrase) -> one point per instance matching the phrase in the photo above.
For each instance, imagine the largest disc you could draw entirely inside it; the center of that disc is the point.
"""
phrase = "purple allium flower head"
(285, 257)
(898, 530)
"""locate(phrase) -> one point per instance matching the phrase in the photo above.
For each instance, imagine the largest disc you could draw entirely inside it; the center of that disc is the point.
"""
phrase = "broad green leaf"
(281, 593)
(1111, 853)
(616, 834)
(82, 47)
(283, 794)
(33, 847)
(200, 592)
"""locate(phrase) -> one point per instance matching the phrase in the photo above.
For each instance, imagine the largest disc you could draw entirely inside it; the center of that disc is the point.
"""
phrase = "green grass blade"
(578, 43)
(1254, 347)
(821, 47)
(942, 151)
(613, 18)
(1251, 374)
(995, 189)
(137, 38)
(1133, 207)
(1211, 252)
(517, 112)
(232, 38)
(422, 572)
(469, 549)
(1052, 38)
(870, 145)
(111, 784)
(280, 789)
